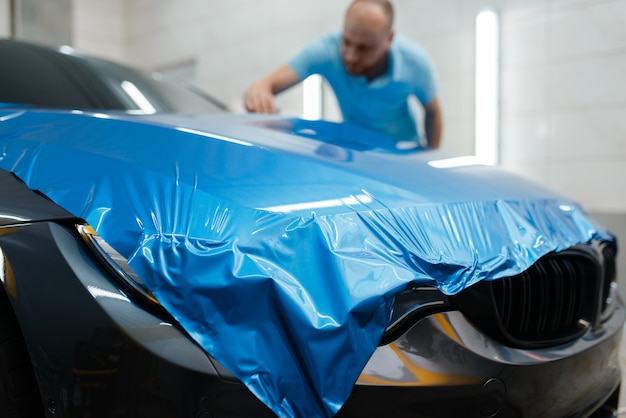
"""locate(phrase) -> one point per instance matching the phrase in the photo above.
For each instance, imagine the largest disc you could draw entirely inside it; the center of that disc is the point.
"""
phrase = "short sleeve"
(426, 84)
(316, 57)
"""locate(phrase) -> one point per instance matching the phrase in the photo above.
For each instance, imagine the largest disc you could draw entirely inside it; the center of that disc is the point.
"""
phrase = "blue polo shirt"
(382, 104)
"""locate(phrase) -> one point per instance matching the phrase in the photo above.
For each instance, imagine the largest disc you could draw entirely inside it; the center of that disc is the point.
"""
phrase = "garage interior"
(561, 91)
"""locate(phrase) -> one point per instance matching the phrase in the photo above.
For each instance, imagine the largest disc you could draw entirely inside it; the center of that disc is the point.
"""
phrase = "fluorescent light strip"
(487, 86)
(312, 97)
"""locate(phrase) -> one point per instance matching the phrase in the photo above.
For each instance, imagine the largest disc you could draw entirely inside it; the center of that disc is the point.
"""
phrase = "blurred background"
(561, 90)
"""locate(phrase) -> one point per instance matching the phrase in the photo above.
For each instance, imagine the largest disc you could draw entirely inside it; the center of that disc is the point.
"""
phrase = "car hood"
(294, 165)
(272, 240)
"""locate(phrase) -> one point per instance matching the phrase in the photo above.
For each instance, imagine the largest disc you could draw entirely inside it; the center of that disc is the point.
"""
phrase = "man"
(372, 72)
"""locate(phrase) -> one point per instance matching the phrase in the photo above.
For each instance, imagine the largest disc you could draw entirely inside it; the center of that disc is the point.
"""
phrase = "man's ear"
(392, 33)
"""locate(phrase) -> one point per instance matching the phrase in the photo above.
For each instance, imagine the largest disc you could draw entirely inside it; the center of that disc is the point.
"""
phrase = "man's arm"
(259, 97)
(433, 123)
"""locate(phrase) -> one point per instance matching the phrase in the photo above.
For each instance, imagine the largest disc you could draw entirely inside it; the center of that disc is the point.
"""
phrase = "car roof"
(45, 77)
(63, 78)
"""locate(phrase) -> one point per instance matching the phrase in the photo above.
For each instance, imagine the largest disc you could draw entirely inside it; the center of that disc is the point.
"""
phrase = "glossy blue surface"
(276, 249)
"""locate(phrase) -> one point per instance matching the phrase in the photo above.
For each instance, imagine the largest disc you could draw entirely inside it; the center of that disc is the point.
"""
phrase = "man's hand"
(260, 99)
(260, 96)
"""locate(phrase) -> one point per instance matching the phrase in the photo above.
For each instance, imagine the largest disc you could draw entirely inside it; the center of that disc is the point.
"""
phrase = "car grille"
(552, 302)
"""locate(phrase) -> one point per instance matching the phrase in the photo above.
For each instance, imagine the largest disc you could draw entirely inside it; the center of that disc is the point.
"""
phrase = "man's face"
(366, 38)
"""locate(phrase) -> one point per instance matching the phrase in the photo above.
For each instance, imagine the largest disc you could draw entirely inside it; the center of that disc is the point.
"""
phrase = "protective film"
(278, 250)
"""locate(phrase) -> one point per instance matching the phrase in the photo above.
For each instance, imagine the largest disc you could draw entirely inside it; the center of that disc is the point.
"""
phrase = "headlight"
(118, 267)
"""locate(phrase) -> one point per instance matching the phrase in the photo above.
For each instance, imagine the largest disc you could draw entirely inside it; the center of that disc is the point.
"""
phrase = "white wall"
(44, 21)
(100, 27)
(5, 22)
(563, 99)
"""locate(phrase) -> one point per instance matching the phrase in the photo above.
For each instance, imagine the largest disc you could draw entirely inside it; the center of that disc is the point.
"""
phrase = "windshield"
(149, 93)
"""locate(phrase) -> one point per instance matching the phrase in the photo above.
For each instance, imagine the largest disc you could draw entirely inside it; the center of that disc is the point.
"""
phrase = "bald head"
(374, 6)
(367, 35)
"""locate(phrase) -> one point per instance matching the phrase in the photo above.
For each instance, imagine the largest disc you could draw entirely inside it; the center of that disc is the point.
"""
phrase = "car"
(163, 257)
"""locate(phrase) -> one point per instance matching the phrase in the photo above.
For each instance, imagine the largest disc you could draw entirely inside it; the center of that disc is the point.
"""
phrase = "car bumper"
(444, 367)
(97, 352)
